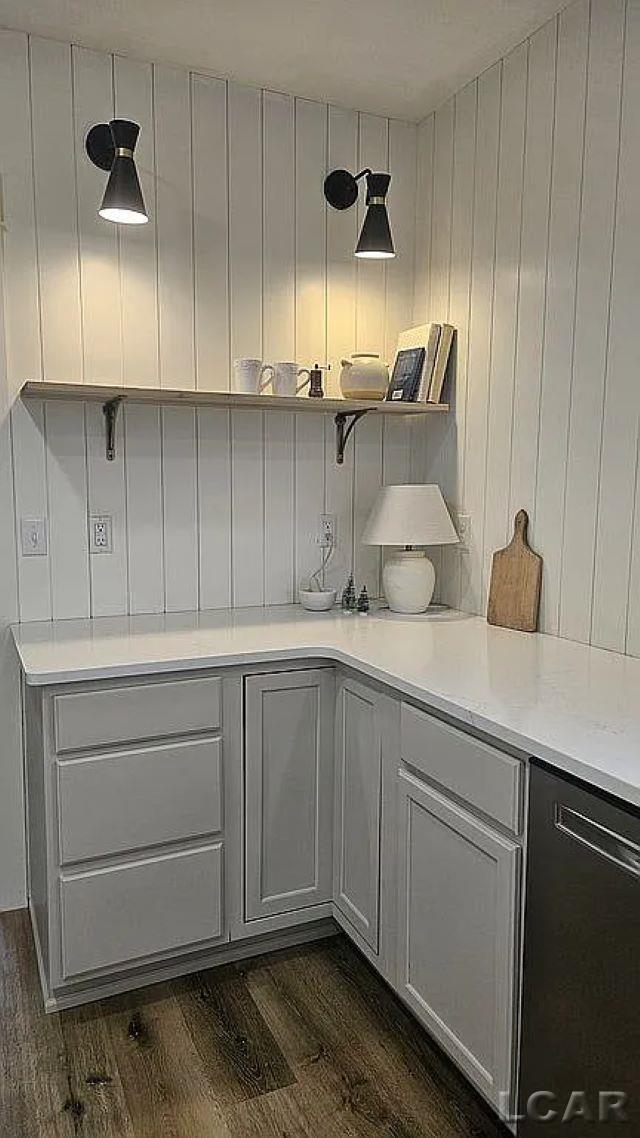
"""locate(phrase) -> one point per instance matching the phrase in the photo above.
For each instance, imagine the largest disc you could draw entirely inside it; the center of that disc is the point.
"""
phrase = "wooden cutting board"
(516, 578)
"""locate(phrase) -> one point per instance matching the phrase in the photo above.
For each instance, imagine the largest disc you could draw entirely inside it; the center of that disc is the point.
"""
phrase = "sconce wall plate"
(341, 189)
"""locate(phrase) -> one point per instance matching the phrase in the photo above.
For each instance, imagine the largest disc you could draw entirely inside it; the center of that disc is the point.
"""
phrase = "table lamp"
(409, 516)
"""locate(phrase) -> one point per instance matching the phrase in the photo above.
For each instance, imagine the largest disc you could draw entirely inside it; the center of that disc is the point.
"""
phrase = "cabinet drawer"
(124, 801)
(143, 711)
(128, 912)
(483, 776)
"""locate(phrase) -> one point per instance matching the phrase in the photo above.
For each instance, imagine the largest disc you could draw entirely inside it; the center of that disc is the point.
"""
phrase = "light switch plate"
(100, 534)
(33, 537)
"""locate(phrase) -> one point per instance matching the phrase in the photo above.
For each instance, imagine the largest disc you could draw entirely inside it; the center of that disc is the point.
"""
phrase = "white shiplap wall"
(529, 242)
(241, 258)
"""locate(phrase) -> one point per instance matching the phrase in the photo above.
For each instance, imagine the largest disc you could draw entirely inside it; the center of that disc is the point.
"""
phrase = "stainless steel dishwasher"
(580, 1047)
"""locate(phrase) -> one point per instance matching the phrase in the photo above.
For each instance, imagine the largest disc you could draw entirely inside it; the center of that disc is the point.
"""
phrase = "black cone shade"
(123, 201)
(375, 241)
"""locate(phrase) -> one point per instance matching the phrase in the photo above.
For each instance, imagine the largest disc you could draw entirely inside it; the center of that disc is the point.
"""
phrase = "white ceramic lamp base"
(408, 579)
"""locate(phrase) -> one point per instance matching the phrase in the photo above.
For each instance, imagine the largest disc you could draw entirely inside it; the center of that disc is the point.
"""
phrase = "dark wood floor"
(302, 1042)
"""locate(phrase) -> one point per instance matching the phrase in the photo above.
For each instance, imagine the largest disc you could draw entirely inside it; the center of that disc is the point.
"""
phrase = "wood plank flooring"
(305, 1042)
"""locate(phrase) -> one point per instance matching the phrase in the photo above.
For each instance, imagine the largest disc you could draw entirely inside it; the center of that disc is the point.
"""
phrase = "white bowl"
(317, 600)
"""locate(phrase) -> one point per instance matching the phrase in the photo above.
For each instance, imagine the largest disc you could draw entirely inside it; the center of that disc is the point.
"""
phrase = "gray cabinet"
(288, 791)
(358, 809)
(457, 925)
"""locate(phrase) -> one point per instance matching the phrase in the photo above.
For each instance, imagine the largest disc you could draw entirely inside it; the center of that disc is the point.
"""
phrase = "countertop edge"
(528, 746)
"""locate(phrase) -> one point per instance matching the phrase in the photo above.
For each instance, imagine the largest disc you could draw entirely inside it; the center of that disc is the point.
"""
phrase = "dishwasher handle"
(606, 843)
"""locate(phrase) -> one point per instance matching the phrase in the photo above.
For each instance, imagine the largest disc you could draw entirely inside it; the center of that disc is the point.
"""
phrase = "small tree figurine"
(349, 603)
(363, 600)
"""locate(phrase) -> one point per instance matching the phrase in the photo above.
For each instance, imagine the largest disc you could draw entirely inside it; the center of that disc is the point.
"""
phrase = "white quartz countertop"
(576, 707)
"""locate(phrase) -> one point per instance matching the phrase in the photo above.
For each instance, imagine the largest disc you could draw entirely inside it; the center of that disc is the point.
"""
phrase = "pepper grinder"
(315, 381)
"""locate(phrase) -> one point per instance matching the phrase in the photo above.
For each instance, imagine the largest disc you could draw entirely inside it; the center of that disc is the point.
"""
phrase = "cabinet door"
(357, 809)
(457, 925)
(288, 791)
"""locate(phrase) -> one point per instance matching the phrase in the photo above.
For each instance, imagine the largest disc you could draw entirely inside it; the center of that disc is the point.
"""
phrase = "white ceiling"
(395, 57)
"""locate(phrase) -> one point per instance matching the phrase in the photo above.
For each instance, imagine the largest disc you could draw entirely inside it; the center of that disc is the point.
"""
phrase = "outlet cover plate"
(463, 526)
(100, 534)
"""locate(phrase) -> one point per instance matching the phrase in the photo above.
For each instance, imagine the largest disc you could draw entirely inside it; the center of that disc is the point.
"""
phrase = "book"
(406, 376)
(440, 366)
(422, 336)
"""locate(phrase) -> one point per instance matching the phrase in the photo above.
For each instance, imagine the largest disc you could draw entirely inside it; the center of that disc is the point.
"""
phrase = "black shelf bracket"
(110, 411)
(344, 429)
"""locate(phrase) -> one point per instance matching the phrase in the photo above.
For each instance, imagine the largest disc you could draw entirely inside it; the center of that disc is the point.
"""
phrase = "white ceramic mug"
(285, 378)
(247, 376)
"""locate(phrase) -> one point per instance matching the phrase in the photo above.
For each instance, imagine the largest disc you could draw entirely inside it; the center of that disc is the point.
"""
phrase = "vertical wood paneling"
(133, 85)
(180, 502)
(309, 494)
(144, 508)
(67, 490)
(533, 268)
(480, 323)
(402, 208)
(174, 213)
(106, 495)
(592, 313)
(22, 316)
(247, 509)
(30, 477)
(93, 102)
(459, 298)
(339, 492)
(210, 236)
(56, 210)
(573, 37)
(397, 433)
(311, 161)
(279, 239)
(342, 234)
(622, 400)
(214, 507)
(439, 292)
(245, 220)
(367, 482)
(554, 277)
(279, 473)
(373, 151)
(424, 205)
(506, 291)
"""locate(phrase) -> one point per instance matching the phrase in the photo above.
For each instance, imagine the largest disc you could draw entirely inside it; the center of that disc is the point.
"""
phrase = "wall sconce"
(110, 146)
(341, 191)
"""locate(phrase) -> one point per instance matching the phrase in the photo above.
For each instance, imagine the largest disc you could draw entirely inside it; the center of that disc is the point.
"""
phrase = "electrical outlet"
(100, 534)
(327, 531)
(464, 532)
(33, 537)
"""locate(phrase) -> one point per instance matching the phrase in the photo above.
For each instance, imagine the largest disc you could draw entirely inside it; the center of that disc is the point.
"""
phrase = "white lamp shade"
(409, 515)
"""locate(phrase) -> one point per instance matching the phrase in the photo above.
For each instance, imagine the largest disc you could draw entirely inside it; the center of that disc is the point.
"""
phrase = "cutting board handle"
(520, 526)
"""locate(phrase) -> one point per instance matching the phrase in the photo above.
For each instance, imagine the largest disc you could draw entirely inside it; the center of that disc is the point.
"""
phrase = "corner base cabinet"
(457, 925)
(180, 821)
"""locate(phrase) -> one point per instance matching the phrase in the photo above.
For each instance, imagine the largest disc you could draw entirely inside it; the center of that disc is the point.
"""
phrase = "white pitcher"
(364, 376)
(247, 376)
(285, 379)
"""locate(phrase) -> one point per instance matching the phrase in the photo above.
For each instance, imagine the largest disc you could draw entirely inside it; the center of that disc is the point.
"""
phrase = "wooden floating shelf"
(178, 397)
(347, 412)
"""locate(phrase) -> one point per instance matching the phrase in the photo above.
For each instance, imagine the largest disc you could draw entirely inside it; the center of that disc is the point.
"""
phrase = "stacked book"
(420, 368)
